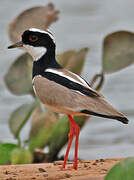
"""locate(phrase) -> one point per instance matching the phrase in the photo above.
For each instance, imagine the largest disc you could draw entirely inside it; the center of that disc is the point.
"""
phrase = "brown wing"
(63, 100)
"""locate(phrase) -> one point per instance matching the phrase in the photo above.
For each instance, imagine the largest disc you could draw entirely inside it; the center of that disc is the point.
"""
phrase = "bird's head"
(36, 42)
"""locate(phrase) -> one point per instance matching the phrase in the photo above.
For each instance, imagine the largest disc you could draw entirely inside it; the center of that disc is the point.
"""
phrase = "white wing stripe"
(63, 75)
(79, 92)
(82, 80)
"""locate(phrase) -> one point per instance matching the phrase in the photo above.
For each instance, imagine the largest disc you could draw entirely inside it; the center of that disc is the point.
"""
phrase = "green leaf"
(41, 119)
(73, 60)
(118, 51)
(19, 118)
(21, 156)
(43, 124)
(64, 57)
(122, 171)
(77, 62)
(19, 76)
(5, 152)
(42, 138)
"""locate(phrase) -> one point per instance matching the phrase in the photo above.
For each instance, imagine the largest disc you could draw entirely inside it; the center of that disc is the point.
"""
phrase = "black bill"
(18, 44)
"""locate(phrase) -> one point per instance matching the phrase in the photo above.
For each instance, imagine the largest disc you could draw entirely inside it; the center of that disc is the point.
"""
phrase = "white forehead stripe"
(68, 77)
(42, 31)
(37, 30)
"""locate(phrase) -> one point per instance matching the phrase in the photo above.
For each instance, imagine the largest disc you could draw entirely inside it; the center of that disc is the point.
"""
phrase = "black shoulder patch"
(43, 63)
(69, 84)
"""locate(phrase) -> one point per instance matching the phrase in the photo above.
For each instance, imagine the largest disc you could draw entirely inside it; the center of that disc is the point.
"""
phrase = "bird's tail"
(103, 109)
(123, 119)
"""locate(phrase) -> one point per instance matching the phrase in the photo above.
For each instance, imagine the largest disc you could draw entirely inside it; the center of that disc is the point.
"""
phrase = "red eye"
(33, 38)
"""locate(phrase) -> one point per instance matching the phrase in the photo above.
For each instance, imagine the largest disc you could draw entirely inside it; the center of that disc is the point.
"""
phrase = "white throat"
(35, 52)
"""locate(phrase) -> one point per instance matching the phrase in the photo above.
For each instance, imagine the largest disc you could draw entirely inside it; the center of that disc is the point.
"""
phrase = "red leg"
(77, 132)
(70, 135)
(74, 129)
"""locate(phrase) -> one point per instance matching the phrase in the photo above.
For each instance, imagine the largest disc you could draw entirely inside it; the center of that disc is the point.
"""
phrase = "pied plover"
(61, 90)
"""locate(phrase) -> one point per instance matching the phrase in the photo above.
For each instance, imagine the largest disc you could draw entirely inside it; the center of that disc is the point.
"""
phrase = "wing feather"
(71, 81)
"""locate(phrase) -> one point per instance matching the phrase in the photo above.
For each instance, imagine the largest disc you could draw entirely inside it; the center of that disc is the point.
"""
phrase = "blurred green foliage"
(123, 170)
(5, 152)
(21, 156)
(23, 112)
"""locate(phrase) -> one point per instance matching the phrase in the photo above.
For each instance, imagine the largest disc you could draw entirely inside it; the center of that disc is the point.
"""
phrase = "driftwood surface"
(87, 170)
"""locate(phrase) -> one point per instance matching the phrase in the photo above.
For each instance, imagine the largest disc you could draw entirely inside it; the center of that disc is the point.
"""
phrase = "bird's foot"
(75, 166)
(68, 168)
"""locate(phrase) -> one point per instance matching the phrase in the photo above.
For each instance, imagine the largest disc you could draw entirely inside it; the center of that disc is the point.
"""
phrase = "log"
(87, 170)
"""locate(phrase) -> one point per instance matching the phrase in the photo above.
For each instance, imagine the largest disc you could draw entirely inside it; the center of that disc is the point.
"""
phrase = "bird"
(61, 90)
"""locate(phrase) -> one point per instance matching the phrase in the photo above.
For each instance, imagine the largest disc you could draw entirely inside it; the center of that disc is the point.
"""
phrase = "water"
(82, 23)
